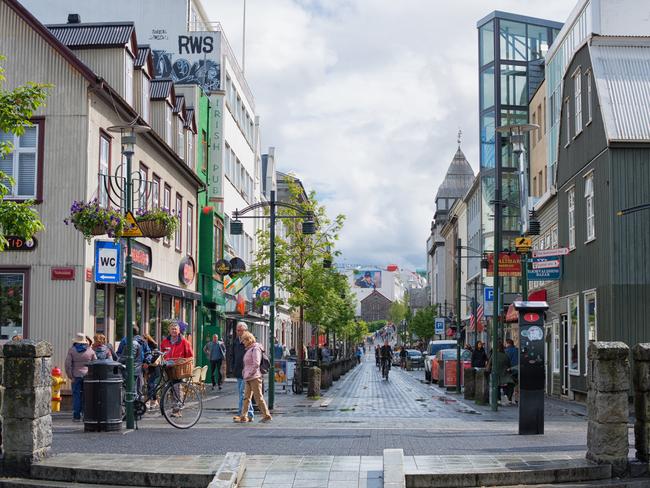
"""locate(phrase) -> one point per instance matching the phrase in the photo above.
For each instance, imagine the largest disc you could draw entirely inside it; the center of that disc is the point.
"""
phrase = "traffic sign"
(488, 294)
(132, 228)
(108, 262)
(542, 253)
(440, 325)
(548, 268)
(523, 244)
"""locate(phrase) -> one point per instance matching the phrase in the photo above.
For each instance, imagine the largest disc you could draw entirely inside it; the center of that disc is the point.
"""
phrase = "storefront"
(14, 306)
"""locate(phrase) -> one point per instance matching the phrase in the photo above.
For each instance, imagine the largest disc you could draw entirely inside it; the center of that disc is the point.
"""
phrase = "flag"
(479, 314)
(471, 322)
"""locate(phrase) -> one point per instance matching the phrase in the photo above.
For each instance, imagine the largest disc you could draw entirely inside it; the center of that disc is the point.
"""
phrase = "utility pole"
(475, 311)
(272, 304)
(494, 387)
(458, 317)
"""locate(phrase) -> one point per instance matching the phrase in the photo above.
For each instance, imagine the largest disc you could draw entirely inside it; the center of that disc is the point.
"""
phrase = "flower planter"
(99, 230)
(153, 229)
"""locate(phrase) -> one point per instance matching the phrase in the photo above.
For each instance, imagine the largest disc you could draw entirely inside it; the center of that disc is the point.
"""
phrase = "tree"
(17, 107)
(424, 323)
(375, 325)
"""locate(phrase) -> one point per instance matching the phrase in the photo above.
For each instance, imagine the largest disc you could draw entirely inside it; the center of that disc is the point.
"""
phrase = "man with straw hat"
(76, 367)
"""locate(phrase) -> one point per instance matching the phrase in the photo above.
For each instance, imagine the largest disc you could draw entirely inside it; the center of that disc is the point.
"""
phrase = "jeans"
(254, 389)
(215, 367)
(152, 377)
(241, 384)
(77, 397)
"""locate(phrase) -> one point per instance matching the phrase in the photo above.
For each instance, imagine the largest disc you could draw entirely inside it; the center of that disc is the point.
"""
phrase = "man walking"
(238, 370)
(216, 351)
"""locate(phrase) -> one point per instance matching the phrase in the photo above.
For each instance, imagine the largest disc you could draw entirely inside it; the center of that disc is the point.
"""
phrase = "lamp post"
(308, 228)
(123, 189)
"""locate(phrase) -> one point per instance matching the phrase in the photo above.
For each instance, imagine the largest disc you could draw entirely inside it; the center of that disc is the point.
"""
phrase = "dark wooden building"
(603, 167)
(375, 307)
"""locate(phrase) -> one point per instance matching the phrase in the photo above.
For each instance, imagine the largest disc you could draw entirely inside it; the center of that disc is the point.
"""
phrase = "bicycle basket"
(180, 368)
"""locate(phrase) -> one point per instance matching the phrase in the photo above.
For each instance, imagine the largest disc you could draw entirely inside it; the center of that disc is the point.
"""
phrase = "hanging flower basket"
(157, 223)
(91, 219)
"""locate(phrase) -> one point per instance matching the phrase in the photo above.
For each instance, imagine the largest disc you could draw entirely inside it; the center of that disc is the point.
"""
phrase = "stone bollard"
(26, 414)
(608, 383)
(469, 377)
(481, 387)
(641, 377)
(313, 383)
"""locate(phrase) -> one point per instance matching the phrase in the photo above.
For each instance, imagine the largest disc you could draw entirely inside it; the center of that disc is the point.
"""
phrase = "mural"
(204, 72)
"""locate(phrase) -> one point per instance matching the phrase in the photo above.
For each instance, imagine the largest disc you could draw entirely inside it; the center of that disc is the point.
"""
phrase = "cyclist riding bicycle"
(377, 357)
(386, 355)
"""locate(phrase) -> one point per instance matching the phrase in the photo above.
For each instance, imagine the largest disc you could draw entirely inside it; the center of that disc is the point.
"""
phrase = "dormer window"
(190, 149)
(146, 103)
(180, 141)
(168, 125)
(128, 79)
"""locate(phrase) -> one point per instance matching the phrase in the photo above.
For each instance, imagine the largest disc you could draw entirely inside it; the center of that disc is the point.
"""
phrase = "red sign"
(509, 264)
(89, 275)
(62, 274)
(531, 317)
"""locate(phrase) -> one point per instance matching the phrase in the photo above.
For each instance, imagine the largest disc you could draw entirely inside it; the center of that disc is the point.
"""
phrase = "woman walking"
(253, 378)
(501, 363)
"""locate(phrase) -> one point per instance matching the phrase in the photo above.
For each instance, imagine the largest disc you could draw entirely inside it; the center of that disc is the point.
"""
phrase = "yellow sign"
(132, 229)
(523, 244)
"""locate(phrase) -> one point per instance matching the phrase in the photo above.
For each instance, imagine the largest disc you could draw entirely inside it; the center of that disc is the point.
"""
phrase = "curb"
(394, 468)
(230, 472)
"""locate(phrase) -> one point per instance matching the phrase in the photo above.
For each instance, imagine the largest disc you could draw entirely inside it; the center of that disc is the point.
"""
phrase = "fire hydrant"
(57, 383)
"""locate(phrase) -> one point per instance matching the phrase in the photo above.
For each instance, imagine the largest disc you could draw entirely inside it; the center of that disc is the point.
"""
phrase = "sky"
(363, 100)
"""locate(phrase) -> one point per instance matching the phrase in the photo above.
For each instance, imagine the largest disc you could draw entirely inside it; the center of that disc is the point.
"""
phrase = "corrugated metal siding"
(108, 64)
(98, 35)
(622, 74)
(158, 117)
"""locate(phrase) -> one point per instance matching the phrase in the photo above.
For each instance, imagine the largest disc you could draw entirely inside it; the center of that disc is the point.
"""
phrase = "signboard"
(187, 270)
(108, 262)
(15, 243)
(222, 267)
(215, 172)
(280, 366)
(440, 325)
(523, 244)
(543, 253)
(62, 273)
(545, 269)
(132, 229)
(237, 265)
(488, 293)
(509, 265)
(263, 294)
(140, 254)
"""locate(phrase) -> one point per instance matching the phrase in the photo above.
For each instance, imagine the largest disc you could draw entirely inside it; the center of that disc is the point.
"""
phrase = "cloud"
(364, 99)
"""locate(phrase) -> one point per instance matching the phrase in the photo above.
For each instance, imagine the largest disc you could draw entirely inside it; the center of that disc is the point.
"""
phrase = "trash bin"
(103, 396)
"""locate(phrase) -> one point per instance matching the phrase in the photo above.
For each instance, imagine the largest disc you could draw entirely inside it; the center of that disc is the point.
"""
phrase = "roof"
(375, 294)
(161, 89)
(621, 67)
(104, 34)
(518, 18)
(190, 122)
(144, 56)
(458, 179)
(179, 106)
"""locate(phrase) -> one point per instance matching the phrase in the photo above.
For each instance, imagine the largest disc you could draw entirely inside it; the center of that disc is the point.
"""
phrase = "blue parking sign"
(488, 294)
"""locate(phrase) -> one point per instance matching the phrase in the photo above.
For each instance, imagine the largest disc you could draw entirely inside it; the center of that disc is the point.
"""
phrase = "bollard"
(26, 415)
(608, 380)
(641, 380)
(469, 379)
(481, 387)
(313, 382)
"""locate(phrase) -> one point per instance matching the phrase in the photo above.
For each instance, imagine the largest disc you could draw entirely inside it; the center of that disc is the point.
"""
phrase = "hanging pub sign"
(509, 264)
(15, 243)
(237, 265)
(263, 294)
(187, 270)
(222, 267)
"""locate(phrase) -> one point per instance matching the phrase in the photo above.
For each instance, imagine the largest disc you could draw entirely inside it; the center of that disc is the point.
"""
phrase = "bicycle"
(181, 401)
(385, 368)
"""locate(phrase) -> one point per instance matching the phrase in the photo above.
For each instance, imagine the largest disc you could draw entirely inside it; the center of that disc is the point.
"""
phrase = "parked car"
(396, 358)
(429, 356)
(416, 358)
(438, 365)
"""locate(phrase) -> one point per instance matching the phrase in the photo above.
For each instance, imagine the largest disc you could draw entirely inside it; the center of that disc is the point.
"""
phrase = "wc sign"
(108, 262)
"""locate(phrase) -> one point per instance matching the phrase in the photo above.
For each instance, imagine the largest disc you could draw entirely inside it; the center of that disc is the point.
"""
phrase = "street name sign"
(488, 293)
(108, 262)
(548, 268)
(440, 325)
(543, 253)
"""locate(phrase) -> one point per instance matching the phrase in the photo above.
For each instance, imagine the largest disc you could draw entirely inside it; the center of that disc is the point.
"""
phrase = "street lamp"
(237, 228)
(123, 189)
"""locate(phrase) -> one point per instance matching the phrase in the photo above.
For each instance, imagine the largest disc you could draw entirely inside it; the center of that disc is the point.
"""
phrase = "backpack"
(265, 363)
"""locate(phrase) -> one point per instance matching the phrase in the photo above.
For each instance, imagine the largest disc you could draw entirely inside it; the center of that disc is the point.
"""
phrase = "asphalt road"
(362, 414)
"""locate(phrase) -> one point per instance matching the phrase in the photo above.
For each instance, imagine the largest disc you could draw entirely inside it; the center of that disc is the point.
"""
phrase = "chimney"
(74, 19)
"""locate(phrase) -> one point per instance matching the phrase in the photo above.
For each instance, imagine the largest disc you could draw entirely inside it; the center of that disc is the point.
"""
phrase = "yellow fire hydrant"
(57, 383)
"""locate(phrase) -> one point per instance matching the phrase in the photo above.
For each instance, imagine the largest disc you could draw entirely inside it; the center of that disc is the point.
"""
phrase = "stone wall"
(641, 381)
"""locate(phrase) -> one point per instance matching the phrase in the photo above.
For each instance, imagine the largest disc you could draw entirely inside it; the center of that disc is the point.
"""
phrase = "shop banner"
(215, 173)
(509, 265)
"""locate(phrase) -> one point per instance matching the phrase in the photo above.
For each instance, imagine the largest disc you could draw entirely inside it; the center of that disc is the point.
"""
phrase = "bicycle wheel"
(181, 404)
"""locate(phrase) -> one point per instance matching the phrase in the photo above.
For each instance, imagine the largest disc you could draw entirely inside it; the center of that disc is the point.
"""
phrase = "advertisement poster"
(367, 278)
(280, 372)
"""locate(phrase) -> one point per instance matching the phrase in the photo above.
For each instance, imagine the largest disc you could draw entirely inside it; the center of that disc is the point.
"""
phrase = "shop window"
(574, 335)
(100, 309)
(556, 346)
(178, 309)
(120, 314)
(139, 310)
(154, 330)
(22, 164)
(13, 306)
(166, 310)
(591, 325)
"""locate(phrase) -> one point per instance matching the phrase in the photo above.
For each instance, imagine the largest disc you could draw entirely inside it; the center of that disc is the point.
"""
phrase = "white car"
(430, 354)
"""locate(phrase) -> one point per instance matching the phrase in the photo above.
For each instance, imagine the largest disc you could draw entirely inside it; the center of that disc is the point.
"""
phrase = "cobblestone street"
(360, 415)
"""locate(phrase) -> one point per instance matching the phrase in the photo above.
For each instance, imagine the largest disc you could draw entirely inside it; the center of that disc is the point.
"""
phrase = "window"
(534, 186)
(22, 164)
(556, 346)
(128, 79)
(571, 200)
(190, 228)
(540, 123)
(591, 328)
(567, 121)
(100, 309)
(180, 140)
(155, 191)
(14, 293)
(204, 150)
(190, 149)
(577, 87)
(145, 97)
(141, 186)
(168, 125)
(541, 184)
(178, 236)
(167, 202)
(574, 335)
(104, 169)
(589, 207)
(589, 109)
(218, 241)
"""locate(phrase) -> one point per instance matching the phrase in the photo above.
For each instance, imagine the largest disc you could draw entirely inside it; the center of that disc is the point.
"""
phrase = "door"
(565, 354)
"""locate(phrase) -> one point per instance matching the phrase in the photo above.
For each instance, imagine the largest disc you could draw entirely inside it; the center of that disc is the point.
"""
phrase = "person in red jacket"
(176, 344)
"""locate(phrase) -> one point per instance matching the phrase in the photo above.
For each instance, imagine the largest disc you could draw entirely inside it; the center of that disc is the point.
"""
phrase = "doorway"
(564, 325)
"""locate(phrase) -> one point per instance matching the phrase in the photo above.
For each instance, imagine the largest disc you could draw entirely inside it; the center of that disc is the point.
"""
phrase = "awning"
(247, 317)
(167, 289)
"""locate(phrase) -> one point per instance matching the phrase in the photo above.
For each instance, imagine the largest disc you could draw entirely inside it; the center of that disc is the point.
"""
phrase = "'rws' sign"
(192, 44)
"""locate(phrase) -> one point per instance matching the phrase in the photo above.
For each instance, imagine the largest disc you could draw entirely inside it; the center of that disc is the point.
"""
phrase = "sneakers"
(266, 419)
(219, 387)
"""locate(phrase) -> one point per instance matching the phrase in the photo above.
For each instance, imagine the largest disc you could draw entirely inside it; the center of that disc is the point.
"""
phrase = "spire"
(460, 135)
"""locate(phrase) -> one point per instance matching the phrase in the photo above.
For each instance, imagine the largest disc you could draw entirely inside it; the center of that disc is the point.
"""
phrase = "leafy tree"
(424, 322)
(399, 310)
(17, 107)
(375, 325)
